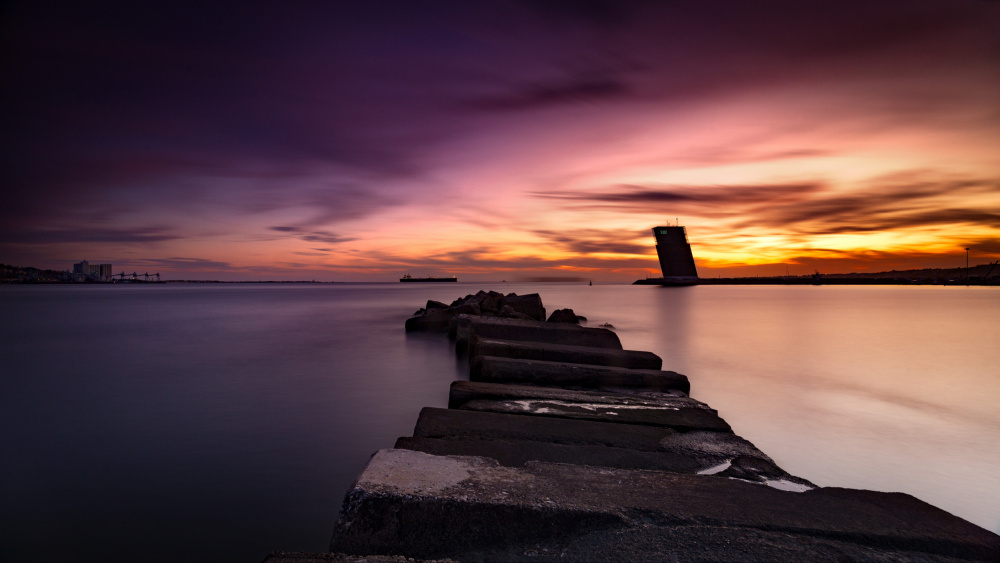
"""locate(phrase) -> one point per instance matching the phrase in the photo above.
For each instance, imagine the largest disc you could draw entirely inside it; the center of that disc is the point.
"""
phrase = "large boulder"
(564, 316)
(462, 300)
(490, 303)
(436, 316)
(530, 305)
(438, 320)
(508, 312)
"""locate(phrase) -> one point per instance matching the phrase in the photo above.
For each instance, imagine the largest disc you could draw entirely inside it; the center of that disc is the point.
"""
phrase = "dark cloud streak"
(811, 208)
(883, 207)
(69, 235)
(591, 241)
(313, 236)
(583, 90)
(628, 195)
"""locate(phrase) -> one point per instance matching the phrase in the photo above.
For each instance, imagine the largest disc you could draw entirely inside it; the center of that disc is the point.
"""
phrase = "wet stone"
(521, 350)
(563, 316)
(466, 328)
(438, 319)
(418, 505)
(561, 374)
(680, 418)
(464, 391)
(517, 453)
(710, 447)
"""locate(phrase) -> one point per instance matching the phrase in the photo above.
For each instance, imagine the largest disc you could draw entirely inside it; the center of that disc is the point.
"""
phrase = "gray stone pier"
(564, 446)
(472, 508)
(563, 374)
(466, 329)
(681, 413)
(561, 353)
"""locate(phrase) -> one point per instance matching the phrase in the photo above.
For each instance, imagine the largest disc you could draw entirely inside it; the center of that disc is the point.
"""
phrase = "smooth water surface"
(222, 422)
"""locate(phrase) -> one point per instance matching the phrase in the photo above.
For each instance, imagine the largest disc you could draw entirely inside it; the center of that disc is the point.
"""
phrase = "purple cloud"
(125, 115)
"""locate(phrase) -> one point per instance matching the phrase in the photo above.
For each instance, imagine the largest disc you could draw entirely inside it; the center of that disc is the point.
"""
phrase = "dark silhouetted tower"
(676, 260)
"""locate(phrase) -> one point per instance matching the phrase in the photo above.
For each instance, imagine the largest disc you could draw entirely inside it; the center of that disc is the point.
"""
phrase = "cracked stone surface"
(418, 505)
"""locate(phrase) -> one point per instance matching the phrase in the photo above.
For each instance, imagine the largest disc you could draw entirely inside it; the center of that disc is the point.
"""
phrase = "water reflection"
(879, 388)
(224, 422)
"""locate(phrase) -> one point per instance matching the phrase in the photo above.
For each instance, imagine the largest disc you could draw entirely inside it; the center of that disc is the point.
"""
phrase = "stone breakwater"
(565, 446)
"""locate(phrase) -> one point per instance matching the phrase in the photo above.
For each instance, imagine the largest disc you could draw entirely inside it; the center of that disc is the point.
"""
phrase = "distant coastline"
(309, 282)
(30, 275)
(983, 274)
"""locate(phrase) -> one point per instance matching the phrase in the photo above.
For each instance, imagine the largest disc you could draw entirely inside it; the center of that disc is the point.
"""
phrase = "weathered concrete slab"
(418, 505)
(670, 417)
(713, 447)
(464, 391)
(561, 374)
(653, 409)
(521, 350)
(466, 328)
(514, 453)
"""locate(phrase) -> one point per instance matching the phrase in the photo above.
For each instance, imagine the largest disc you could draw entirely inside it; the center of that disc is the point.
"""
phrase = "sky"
(360, 141)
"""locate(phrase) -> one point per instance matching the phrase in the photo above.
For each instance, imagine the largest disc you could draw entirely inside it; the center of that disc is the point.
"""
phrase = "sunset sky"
(356, 141)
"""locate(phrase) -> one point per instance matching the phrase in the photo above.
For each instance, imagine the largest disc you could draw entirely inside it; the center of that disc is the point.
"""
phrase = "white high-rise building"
(103, 271)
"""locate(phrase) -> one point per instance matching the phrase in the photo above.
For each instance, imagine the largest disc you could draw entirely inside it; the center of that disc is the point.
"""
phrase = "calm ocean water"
(222, 422)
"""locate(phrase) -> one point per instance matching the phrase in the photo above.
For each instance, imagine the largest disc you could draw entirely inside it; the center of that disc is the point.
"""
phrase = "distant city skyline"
(499, 140)
(85, 268)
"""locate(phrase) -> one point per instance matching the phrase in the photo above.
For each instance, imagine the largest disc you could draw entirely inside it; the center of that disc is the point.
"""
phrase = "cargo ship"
(409, 278)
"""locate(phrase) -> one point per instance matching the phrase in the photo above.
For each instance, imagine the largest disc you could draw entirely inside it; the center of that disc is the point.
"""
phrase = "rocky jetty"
(564, 446)
(436, 316)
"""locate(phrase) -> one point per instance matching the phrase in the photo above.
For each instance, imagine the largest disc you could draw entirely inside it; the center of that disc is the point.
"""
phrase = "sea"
(222, 422)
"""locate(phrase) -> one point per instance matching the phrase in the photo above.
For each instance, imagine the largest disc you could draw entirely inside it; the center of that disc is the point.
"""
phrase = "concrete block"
(521, 350)
(651, 408)
(713, 447)
(466, 328)
(513, 453)
(470, 508)
(670, 417)
(561, 374)
(464, 391)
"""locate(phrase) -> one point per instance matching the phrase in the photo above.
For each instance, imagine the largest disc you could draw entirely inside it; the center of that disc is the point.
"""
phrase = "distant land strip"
(982, 274)
(30, 275)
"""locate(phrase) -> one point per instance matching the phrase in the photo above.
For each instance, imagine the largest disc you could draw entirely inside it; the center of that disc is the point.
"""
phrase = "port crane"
(990, 271)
